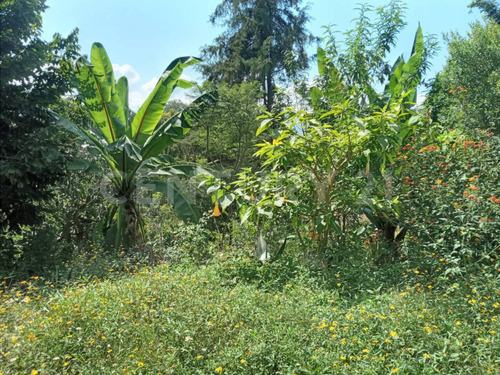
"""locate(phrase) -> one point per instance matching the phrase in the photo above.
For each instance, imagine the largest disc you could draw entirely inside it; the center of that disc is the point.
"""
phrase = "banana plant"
(406, 75)
(402, 86)
(130, 144)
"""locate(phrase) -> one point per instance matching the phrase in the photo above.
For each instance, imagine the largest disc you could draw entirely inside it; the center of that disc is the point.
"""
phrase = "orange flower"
(217, 210)
(313, 234)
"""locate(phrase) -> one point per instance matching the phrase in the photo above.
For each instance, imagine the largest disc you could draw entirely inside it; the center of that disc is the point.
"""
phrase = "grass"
(244, 318)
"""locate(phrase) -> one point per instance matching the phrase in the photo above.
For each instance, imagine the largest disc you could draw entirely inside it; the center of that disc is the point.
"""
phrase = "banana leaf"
(177, 199)
(96, 83)
(176, 126)
(148, 116)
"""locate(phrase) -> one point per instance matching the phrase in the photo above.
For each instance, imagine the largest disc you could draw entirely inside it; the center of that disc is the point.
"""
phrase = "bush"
(449, 191)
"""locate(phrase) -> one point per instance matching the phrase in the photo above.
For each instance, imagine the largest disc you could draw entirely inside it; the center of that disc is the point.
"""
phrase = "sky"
(143, 36)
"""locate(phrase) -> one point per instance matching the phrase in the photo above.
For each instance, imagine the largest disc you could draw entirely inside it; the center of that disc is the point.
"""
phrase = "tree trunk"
(269, 92)
(208, 143)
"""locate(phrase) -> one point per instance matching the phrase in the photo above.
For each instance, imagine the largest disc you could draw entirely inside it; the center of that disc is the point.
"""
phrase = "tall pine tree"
(265, 41)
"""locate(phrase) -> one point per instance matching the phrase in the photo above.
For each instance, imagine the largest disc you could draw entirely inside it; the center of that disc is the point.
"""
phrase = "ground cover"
(241, 317)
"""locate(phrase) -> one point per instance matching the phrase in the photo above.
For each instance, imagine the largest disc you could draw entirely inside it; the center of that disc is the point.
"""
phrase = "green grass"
(243, 318)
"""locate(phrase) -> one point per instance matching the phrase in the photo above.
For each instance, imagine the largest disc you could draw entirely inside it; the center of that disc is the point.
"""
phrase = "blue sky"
(143, 36)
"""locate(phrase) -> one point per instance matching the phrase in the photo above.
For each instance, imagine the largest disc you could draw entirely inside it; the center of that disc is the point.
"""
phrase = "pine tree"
(265, 41)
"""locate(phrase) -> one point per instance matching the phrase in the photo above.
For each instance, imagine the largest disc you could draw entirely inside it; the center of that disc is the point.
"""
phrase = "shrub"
(449, 190)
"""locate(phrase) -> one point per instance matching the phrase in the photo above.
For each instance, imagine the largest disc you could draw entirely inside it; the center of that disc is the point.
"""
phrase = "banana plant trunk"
(132, 220)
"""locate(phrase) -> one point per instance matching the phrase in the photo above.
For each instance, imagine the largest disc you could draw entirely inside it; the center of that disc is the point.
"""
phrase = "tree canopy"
(34, 74)
(467, 91)
(265, 41)
(490, 7)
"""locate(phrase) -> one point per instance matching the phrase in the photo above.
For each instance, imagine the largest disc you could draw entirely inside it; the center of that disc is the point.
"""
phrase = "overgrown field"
(242, 317)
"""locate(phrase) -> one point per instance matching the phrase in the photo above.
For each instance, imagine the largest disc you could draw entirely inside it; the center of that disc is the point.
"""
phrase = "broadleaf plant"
(357, 68)
(131, 144)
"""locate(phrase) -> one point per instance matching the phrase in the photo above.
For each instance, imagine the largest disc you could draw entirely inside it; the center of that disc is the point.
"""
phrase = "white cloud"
(149, 86)
(137, 97)
(127, 71)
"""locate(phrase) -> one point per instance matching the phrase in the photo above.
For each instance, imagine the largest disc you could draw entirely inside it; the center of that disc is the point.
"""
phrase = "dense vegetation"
(236, 317)
(324, 226)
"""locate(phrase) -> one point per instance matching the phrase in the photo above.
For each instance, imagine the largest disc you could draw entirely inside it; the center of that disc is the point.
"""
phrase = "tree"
(325, 164)
(352, 68)
(360, 59)
(467, 91)
(490, 7)
(265, 41)
(130, 145)
(225, 135)
(34, 74)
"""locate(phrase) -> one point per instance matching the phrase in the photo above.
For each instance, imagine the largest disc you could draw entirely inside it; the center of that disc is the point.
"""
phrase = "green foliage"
(353, 69)
(321, 163)
(357, 64)
(316, 152)
(313, 178)
(269, 318)
(66, 229)
(225, 135)
(467, 91)
(449, 191)
(357, 178)
(360, 58)
(171, 240)
(34, 75)
(264, 41)
(130, 145)
(490, 7)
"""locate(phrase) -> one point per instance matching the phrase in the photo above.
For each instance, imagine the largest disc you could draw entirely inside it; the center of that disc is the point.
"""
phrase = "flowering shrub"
(449, 190)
